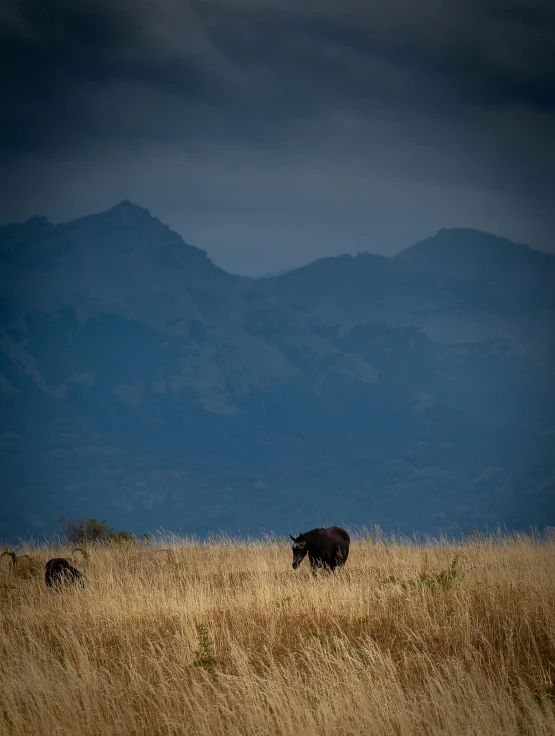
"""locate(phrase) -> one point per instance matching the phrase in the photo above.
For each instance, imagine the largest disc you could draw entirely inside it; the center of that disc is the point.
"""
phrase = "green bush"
(86, 531)
(204, 656)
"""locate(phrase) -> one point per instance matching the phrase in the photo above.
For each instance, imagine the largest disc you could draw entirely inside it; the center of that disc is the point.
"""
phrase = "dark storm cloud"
(484, 54)
(284, 129)
(56, 54)
(257, 63)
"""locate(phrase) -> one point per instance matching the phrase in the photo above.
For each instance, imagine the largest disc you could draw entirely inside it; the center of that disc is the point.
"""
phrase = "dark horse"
(59, 571)
(326, 548)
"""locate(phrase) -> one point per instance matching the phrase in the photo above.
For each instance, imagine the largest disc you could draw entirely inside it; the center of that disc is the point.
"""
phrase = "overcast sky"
(273, 132)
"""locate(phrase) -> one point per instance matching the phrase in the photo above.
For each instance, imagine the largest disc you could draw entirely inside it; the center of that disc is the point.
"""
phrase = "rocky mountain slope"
(141, 383)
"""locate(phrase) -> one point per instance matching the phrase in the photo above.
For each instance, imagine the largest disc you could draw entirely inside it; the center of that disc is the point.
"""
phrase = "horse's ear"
(292, 537)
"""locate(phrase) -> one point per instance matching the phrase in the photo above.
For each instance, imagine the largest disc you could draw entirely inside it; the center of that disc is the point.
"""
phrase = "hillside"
(141, 383)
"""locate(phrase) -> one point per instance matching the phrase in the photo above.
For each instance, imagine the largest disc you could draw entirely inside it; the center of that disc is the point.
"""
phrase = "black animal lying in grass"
(59, 572)
(326, 548)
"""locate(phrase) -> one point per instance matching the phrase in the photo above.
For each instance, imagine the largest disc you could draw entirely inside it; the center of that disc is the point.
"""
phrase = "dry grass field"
(225, 638)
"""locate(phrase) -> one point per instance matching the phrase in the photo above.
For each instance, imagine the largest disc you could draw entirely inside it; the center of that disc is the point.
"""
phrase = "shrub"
(84, 531)
(204, 655)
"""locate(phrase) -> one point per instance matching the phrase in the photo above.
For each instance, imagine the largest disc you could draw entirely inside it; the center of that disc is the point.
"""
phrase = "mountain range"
(141, 383)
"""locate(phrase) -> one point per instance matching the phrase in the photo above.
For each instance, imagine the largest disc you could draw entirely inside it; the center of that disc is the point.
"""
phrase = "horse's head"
(299, 550)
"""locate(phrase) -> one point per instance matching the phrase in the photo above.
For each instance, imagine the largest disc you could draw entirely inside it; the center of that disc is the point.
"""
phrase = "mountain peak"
(466, 252)
(37, 220)
(129, 209)
(467, 240)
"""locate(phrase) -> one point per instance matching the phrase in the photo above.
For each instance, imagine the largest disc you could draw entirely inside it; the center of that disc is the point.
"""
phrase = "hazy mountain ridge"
(140, 382)
(427, 286)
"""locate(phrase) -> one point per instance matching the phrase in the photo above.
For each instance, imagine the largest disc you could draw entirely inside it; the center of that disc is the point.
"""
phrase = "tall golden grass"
(224, 637)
